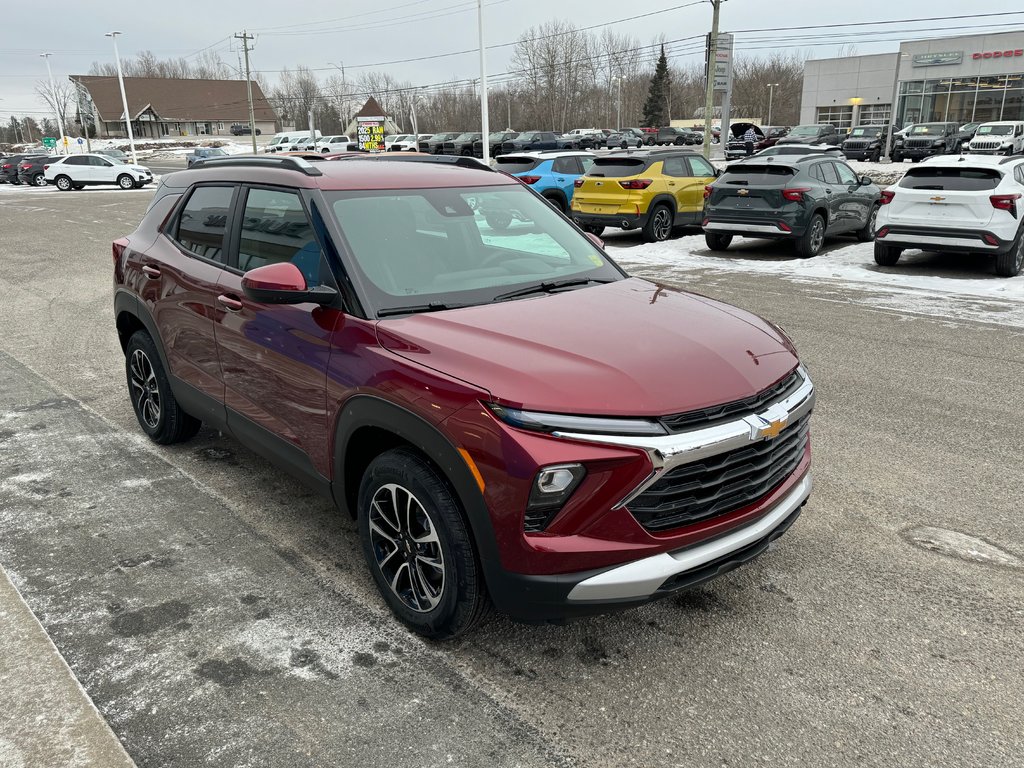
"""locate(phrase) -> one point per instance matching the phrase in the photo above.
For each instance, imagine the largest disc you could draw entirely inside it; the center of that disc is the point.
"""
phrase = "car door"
(680, 185)
(101, 170)
(834, 196)
(273, 356)
(565, 171)
(701, 174)
(177, 280)
(78, 168)
(857, 203)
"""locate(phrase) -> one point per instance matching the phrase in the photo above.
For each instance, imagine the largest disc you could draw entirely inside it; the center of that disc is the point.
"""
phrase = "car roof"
(541, 154)
(357, 173)
(980, 161)
(653, 153)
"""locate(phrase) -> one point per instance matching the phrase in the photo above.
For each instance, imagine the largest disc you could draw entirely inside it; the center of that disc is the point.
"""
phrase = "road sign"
(370, 133)
(81, 140)
(65, 141)
(723, 62)
(49, 142)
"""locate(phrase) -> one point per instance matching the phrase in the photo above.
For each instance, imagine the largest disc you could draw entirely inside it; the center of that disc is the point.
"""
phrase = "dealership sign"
(999, 54)
(936, 59)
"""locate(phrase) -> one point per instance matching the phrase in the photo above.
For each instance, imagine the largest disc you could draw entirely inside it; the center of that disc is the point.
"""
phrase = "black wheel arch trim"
(363, 411)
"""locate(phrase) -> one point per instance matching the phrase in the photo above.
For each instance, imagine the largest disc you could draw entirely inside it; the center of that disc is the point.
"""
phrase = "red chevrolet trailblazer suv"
(512, 419)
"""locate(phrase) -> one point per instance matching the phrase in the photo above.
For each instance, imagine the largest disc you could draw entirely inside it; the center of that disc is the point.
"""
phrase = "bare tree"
(59, 96)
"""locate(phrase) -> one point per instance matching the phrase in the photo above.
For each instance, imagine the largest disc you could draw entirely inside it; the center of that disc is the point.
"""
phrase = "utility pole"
(618, 101)
(245, 37)
(81, 116)
(709, 95)
(124, 98)
(485, 127)
(771, 92)
(53, 95)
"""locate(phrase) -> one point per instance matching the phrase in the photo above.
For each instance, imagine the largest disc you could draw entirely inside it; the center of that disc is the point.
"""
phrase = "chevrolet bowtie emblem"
(766, 429)
(743, 192)
(936, 199)
(773, 429)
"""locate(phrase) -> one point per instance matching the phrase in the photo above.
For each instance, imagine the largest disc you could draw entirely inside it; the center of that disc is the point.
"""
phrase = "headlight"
(561, 422)
(938, 143)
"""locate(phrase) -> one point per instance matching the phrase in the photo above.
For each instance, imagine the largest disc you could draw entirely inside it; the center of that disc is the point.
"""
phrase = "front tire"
(886, 255)
(658, 226)
(418, 546)
(867, 233)
(63, 183)
(1009, 264)
(717, 242)
(124, 181)
(154, 404)
(557, 202)
(813, 238)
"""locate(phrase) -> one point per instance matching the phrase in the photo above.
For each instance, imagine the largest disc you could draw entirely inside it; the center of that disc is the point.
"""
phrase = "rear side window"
(953, 179)
(203, 222)
(566, 165)
(517, 164)
(828, 170)
(617, 166)
(275, 229)
(757, 175)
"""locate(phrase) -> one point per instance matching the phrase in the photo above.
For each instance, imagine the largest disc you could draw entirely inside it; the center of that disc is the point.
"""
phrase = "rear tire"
(867, 233)
(149, 389)
(557, 202)
(39, 180)
(418, 546)
(716, 242)
(658, 226)
(1009, 264)
(63, 183)
(886, 255)
(813, 238)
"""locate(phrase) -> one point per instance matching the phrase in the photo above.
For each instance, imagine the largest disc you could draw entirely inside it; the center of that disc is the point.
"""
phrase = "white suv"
(1002, 138)
(328, 144)
(966, 204)
(77, 171)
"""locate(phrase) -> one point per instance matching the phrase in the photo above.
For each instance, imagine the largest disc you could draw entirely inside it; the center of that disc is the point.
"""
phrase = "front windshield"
(928, 129)
(528, 135)
(460, 245)
(805, 130)
(873, 132)
(995, 130)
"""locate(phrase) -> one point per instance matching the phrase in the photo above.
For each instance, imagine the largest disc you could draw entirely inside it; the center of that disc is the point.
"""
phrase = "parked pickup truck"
(817, 133)
(533, 140)
(674, 136)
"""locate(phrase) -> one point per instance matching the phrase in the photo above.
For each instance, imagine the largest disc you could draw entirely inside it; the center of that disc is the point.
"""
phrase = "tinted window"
(816, 173)
(700, 167)
(203, 222)
(846, 176)
(829, 172)
(674, 166)
(275, 229)
(1018, 173)
(757, 175)
(953, 179)
(516, 164)
(565, 165)
(77, 161)
(617, 166)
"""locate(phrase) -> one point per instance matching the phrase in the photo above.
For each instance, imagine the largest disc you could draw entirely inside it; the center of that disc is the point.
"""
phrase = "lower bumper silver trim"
(722, 226)
(642, 578)
(909, 239)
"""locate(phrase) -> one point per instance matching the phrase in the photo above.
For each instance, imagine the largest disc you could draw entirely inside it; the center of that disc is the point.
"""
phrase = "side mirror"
(595, 239)
(283, 283)
(865, 180)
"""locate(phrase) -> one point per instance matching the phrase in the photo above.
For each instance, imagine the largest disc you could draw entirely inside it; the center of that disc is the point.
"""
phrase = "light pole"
(891, 134)
(344, 88)
(485, 127)
(771, 93)
(618, 102)
(124, 98)
(53, 95)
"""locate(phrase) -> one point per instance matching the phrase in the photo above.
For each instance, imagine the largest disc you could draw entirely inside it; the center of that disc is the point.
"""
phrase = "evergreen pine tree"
(656, 106)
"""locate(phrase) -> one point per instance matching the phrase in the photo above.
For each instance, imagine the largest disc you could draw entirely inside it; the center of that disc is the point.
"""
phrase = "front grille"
(918, 143)
(424, 146)
(508, 146)
(723, 483)
(717, 414)
(855, 144)
(984, 145)
(449, 148)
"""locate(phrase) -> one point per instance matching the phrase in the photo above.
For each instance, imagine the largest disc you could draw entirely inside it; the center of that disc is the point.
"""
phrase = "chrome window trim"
(670, 451)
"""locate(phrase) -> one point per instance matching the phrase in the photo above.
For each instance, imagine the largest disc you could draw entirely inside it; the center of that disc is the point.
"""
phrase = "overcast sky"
(288, 35)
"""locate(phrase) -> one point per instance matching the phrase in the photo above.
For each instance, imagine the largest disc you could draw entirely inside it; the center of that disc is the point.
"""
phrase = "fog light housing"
(551, 489)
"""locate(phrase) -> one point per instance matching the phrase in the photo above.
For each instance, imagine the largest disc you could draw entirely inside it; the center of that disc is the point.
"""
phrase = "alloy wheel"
(662, 224)
(145, 391)
(39, 180)
(406, 547)
(871, 219)
(817, 235)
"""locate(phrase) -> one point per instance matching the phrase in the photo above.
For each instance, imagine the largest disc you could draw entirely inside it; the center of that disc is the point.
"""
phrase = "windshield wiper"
(434, 306)
(548, 287)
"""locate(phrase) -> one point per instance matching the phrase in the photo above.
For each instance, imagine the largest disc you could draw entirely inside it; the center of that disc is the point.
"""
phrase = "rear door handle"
(828, 191)
(150, 272)
(561, 179)
(230, 302)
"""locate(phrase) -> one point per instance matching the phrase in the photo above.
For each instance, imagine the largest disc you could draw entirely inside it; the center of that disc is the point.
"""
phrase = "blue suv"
(550, 174)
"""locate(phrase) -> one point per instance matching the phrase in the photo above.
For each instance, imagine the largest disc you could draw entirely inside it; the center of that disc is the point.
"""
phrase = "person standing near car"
(749, 138)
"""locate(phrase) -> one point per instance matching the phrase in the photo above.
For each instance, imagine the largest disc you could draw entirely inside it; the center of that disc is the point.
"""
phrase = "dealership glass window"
(989, 105)
(841, 117)
(874, 114)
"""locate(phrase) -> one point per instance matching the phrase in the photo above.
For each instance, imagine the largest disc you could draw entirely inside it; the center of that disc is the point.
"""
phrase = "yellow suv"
(655, 190)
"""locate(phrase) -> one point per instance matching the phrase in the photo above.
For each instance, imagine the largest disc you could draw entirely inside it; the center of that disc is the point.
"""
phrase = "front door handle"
(561, 179)
(150, 272)
(828, 191)
(230, 302)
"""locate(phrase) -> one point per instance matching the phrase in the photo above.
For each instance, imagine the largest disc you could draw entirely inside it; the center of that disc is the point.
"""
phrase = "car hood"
(629, 348)
(800, 140)
(738, 129)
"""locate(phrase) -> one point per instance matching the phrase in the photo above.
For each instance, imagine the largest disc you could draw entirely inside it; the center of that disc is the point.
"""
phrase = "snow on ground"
(948, 286)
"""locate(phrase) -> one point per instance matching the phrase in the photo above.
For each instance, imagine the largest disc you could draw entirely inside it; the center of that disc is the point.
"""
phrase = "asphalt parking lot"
(217, 613)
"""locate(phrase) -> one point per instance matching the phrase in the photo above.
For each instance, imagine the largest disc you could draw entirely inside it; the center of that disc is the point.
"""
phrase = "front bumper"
(861, 153)
(942, 239)
(921, 152)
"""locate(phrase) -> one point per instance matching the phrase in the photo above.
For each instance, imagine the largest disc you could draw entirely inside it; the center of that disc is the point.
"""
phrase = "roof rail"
(458, 161)
(256, 161)
(1011, 159)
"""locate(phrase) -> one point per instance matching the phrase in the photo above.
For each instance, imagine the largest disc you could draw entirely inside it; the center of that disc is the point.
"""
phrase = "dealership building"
(975, 78)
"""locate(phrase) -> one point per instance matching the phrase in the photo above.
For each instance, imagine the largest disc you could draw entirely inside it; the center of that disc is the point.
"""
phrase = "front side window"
(460, 245)
(846, 175)
(700, 167)
(275, 229)
(203, 222)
